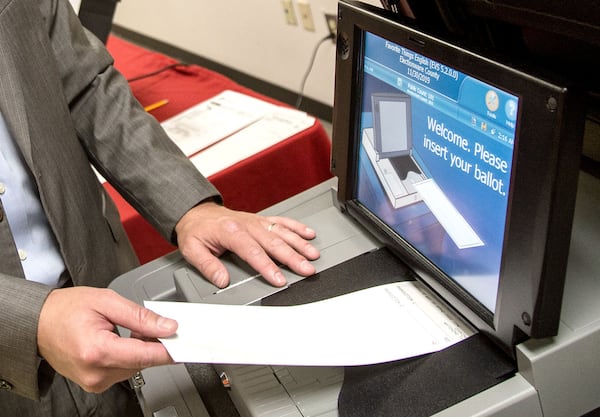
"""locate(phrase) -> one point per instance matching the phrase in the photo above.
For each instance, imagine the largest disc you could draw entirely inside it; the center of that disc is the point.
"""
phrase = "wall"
(251, 36)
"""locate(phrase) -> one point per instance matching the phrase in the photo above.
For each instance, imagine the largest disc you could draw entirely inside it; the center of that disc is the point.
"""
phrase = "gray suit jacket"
(66, 106)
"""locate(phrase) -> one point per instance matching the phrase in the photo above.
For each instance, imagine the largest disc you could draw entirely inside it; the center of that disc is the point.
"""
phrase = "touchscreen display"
(435, 158)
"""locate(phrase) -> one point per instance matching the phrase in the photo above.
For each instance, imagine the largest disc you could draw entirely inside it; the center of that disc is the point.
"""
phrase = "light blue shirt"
(38, 249)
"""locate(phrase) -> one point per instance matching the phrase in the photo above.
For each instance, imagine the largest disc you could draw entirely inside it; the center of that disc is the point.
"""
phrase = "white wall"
(251, 36)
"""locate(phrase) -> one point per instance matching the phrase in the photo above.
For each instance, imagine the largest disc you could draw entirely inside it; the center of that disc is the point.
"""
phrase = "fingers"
(117, 360)
(130, 354)
(208, 230)
(256, 245)
(292, 225)
(279, 240)
(295, 234)
(197, 254)
(235, 237)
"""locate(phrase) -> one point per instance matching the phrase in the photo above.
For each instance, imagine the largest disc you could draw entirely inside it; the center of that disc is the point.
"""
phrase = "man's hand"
(208, 230)
(76, 336)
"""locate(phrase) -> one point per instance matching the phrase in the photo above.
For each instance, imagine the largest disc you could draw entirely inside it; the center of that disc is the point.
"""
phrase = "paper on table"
(272, 128)
(379, 324)
(214, 119)
(249, 126)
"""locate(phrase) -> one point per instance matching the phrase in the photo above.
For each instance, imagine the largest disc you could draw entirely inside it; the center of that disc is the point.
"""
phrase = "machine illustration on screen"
(401, 172)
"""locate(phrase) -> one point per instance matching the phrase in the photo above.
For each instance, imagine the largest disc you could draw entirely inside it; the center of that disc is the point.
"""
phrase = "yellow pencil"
(156, 105)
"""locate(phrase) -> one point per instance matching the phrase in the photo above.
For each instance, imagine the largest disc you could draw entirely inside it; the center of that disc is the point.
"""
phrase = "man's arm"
(125, 143)
(133, 152)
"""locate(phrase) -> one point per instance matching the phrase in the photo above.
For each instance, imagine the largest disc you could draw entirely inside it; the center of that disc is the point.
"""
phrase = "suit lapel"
(12, 102)
(34, 109)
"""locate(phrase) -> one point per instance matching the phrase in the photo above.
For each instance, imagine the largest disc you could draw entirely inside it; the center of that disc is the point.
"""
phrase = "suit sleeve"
(125, 143)
(18, 339)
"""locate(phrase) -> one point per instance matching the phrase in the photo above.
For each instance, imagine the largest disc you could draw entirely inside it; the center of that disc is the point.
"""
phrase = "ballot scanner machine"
(502, 233)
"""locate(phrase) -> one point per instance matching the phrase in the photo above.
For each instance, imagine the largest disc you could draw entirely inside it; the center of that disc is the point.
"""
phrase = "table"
(253, 184)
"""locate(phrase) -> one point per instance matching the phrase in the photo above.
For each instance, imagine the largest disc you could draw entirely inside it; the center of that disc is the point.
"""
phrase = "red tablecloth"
(258, 182)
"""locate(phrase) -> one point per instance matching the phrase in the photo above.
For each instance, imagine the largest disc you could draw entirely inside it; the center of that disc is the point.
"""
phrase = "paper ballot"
(271, 129)
(379, 324)
(215, 119)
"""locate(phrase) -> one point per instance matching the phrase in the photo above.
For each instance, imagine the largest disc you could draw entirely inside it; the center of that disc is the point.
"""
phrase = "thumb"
(139, 320)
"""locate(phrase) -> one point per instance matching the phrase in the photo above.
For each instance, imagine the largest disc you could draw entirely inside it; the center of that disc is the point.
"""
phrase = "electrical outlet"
(290, 14)
(331, 20)
(306, 15)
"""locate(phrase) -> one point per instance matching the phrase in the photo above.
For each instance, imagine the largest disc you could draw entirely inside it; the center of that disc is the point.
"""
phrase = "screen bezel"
(543, 181)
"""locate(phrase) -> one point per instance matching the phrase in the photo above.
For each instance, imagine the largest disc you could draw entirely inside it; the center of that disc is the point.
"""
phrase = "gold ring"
(271, 226)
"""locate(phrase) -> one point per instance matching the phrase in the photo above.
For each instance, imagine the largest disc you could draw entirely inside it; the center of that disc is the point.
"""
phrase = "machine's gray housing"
(557, 376)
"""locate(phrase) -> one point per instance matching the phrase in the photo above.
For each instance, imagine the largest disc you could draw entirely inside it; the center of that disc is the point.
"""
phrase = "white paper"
(215, 119)
(271, 129)
(379, 324)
